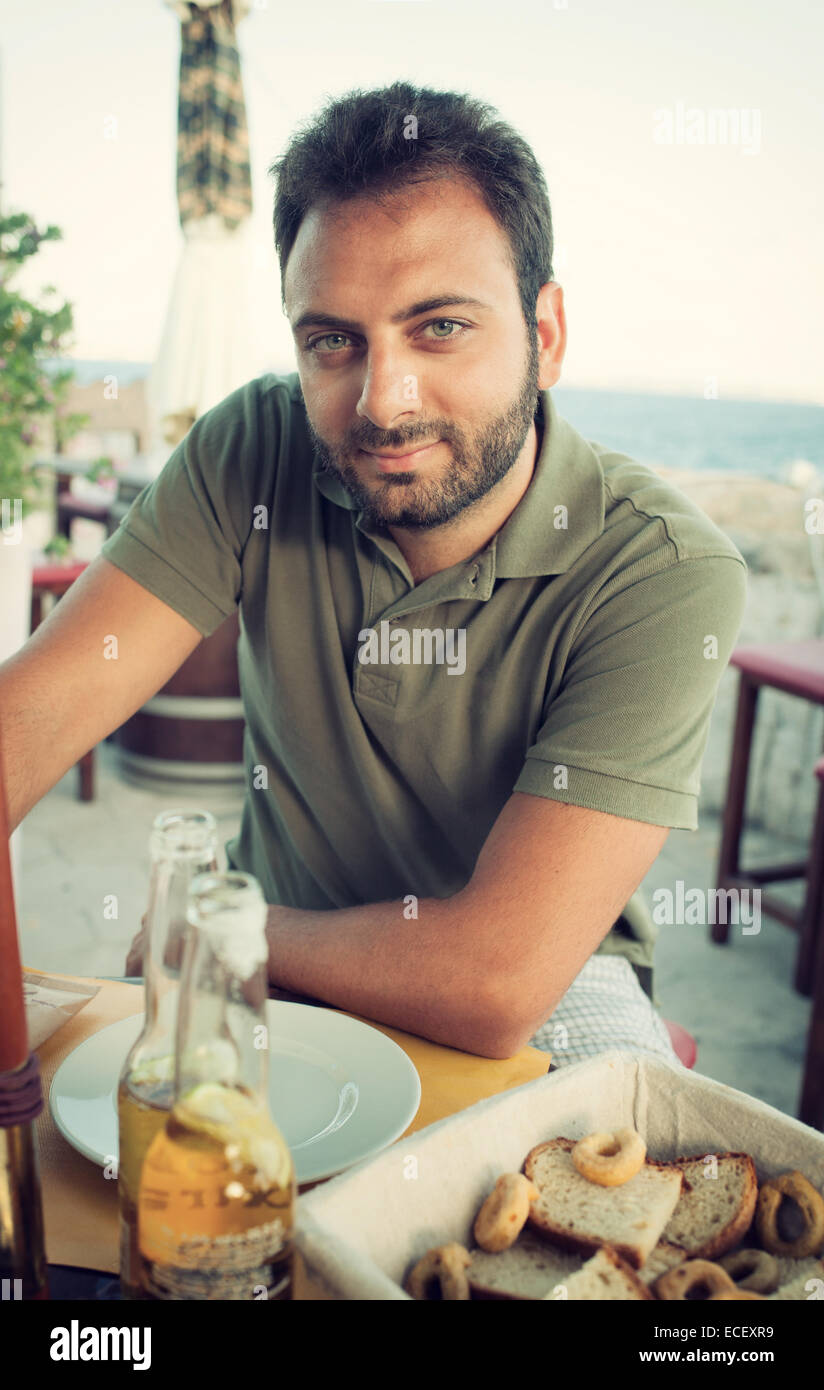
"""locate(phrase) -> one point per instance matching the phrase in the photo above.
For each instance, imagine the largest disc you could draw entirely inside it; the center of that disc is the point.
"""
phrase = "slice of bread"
(579, 1215)
(606, 1277)
(530, 1268)
(713, 1214)
(533, 1269)
(795, 1275)
(663, 1257)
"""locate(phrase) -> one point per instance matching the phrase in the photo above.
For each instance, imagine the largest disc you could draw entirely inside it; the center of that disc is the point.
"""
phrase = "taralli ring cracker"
(735, 1297)
(610, 1159)
(444, 1269)
(752, 1270)
(503, 1215)
(811, 1205)
(694, 1274)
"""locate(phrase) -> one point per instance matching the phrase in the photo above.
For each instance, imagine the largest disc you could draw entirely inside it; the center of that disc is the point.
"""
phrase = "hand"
(134, 960)
(173, 954)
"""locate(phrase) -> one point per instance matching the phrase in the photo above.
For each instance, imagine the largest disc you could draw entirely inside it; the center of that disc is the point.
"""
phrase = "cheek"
(325, 414)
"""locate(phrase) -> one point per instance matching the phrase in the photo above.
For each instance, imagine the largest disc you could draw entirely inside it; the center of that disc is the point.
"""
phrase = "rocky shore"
(766, 521)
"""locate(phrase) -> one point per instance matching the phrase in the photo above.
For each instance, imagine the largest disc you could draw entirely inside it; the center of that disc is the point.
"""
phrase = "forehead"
(368, 250)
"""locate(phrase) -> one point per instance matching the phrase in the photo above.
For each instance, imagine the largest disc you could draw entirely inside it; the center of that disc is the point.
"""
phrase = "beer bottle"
(182, 845)
(217, 1193)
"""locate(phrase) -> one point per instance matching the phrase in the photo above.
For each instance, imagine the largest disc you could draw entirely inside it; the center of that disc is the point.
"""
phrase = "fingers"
(134, 960)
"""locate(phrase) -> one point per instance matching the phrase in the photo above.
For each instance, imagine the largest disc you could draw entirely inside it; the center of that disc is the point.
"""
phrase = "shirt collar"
(560, 514)
(562, 511)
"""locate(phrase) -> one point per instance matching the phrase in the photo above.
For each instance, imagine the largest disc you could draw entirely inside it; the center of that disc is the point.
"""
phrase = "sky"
(684, 257)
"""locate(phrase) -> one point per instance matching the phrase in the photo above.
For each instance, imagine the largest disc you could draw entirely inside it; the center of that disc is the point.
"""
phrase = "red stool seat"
(683, 1043)
(57, 577)
(796, 667)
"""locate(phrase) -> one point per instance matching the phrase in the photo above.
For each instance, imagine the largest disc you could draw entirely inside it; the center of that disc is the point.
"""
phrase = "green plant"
(30, 395)
(101, 468)
(58, 548)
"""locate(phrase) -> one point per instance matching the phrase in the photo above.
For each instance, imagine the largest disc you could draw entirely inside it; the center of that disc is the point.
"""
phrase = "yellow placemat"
(80, 1205)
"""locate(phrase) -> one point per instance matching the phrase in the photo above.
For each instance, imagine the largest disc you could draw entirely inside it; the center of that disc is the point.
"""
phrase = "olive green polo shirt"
(387, 722)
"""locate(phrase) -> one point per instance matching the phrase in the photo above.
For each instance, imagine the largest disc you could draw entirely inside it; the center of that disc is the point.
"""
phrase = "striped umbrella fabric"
(209, 345)
(213, 174)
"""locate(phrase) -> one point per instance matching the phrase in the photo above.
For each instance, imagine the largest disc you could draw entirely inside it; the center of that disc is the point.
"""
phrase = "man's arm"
(70, 685)
(482, 970)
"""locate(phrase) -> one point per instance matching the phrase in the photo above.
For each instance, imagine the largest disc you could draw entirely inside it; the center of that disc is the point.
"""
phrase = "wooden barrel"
(192, 729)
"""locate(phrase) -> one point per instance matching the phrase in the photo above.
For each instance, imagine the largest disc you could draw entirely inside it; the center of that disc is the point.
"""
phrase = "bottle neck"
(222, 1034)
(167, 930)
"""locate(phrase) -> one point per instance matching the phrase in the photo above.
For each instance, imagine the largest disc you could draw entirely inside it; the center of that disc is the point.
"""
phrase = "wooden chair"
(70, 507)
(797, 668)
(55, 580)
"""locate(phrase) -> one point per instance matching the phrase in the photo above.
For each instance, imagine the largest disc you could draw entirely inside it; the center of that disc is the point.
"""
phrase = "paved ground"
(737, 1000)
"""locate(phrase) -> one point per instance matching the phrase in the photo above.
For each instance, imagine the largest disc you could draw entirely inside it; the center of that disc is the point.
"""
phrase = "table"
(80, 1205)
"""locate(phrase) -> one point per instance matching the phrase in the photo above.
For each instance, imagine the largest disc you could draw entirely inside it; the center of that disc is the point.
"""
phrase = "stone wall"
(785, 603)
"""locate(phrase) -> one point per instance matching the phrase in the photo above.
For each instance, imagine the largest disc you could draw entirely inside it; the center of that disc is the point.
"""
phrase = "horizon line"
(651, 390)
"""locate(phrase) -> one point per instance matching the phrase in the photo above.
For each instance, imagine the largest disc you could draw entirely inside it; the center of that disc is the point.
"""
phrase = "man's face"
(385, 371)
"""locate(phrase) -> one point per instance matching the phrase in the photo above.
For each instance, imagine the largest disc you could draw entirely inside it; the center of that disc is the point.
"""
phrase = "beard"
(479, 461)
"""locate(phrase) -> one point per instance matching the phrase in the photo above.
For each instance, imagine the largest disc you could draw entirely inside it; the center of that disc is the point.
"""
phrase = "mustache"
(394, 439)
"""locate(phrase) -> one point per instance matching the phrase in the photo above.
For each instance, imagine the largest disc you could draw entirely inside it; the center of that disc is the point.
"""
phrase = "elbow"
(499, 1032)
(508, 1043)
(511, 1019)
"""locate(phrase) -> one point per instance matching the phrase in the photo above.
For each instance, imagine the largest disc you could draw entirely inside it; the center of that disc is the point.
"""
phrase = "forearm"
(423, 975)
(28, 742)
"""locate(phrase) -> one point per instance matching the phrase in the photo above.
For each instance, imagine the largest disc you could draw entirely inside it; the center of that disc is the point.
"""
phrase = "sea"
(783, 441)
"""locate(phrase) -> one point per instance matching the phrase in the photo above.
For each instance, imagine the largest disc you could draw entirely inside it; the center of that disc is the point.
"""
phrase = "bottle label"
(255, 1263)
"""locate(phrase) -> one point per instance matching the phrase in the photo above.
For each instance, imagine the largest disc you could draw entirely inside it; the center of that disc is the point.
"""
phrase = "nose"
(390, 395)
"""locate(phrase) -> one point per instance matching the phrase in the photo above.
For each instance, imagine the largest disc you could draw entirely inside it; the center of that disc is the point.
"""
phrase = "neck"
(428, 552)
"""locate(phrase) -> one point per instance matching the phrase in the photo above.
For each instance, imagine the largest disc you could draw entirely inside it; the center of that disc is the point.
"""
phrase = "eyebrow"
(422, 306)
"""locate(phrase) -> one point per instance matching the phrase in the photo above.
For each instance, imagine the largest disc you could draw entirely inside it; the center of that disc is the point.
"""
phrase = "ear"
(551, 330)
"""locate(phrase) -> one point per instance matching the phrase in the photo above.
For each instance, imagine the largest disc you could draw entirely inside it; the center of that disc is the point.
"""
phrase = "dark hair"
(365, 143)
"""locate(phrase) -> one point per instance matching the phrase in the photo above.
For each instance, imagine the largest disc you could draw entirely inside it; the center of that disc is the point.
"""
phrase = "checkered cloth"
(604, 1008)
(213, 173)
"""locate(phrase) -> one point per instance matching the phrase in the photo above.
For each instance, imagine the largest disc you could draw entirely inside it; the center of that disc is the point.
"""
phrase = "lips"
(394, 463)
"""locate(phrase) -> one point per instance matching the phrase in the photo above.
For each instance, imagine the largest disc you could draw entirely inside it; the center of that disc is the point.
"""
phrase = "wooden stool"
(811, 1105)
(69, 507)
(797, 668)
(55, 580)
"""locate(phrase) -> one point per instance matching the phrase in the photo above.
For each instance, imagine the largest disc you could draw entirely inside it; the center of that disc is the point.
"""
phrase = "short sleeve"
(183, 536)
(626, 729)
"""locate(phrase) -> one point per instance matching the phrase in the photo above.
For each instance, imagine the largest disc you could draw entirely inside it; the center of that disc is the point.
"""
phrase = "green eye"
(327, 337)
(440, 323)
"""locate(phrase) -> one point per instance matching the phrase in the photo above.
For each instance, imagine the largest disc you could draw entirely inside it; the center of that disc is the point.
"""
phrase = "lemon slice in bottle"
(153, 1071)
(246, 1130)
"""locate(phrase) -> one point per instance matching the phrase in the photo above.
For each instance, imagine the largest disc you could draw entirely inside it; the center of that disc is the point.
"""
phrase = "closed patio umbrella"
(192, 729)
(208, 345)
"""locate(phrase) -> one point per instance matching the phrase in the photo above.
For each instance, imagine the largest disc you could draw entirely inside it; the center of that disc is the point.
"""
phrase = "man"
(478, 655)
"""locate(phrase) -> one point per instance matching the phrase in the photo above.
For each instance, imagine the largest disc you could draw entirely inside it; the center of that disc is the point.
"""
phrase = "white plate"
(340, 1091)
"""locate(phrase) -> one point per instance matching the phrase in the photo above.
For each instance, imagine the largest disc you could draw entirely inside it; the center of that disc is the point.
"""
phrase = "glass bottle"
(182, 845)
(217, 1197)
(23, 1270)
